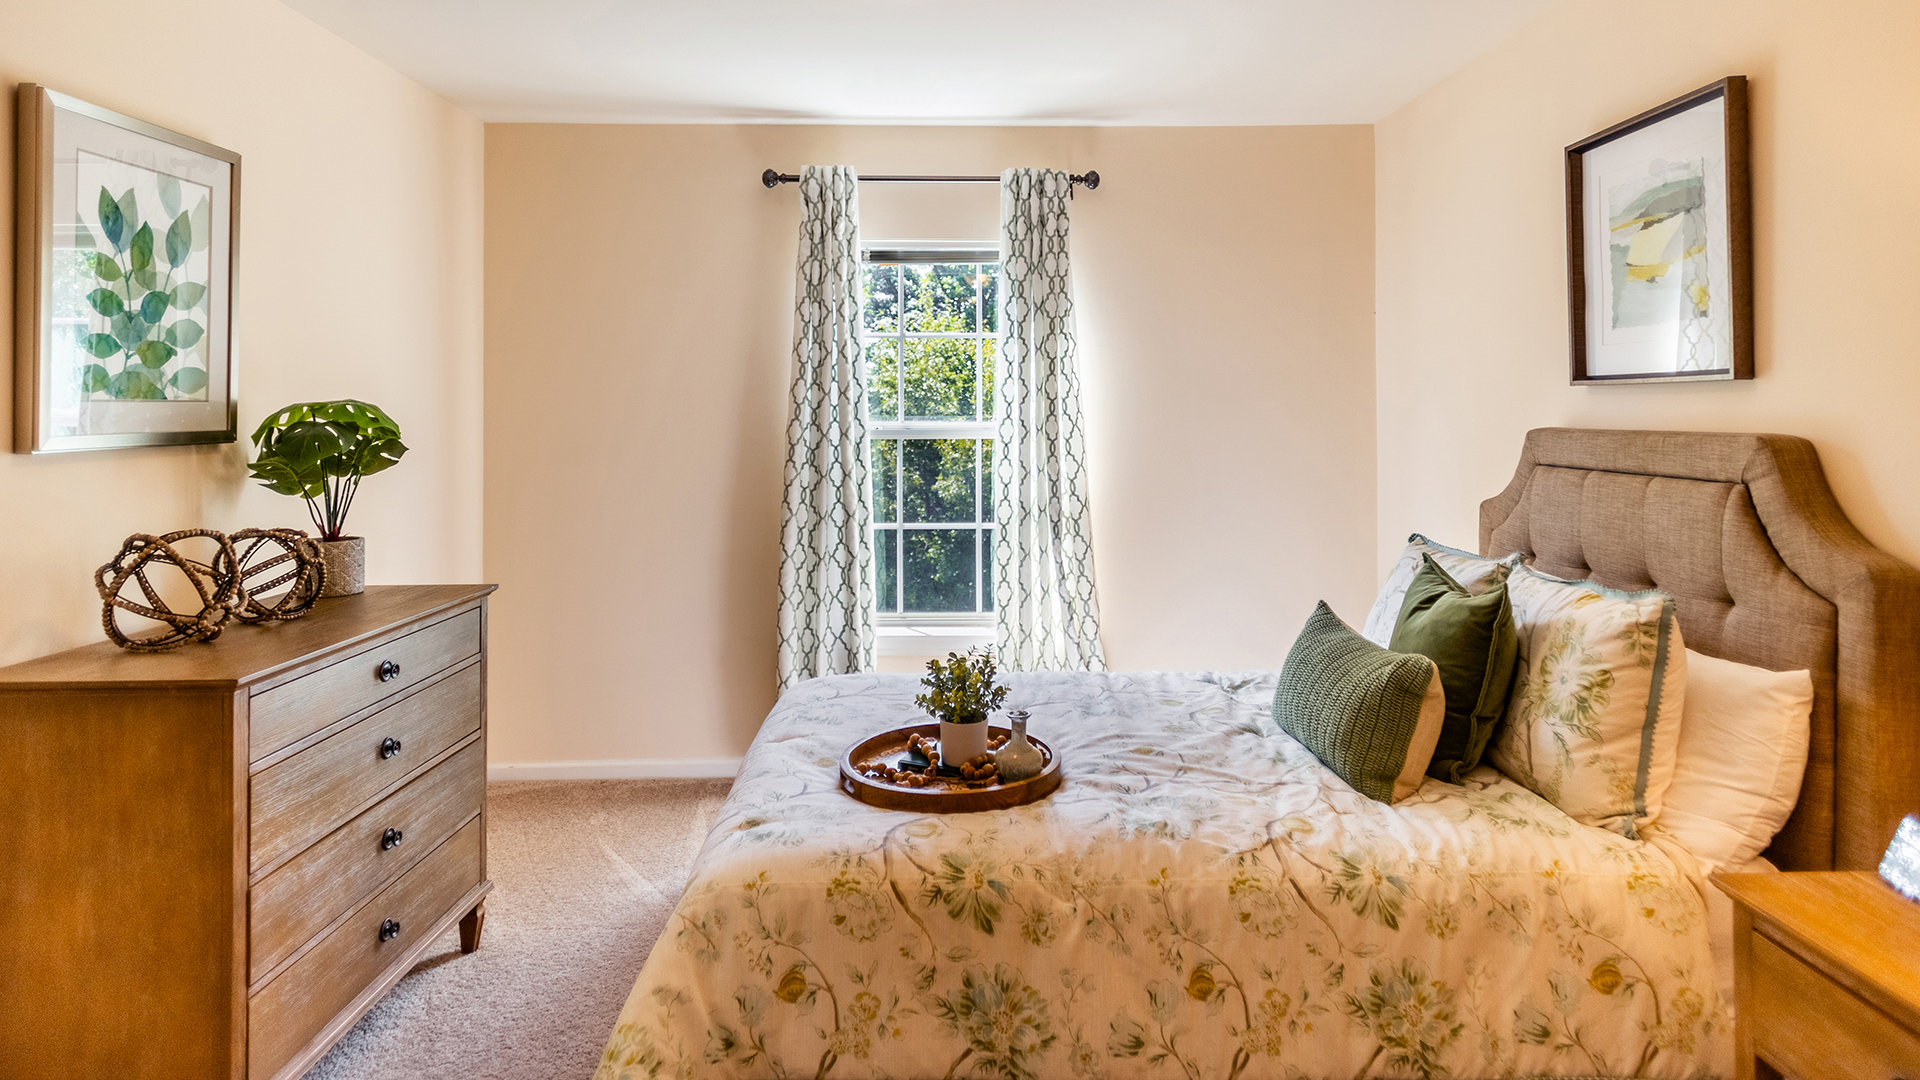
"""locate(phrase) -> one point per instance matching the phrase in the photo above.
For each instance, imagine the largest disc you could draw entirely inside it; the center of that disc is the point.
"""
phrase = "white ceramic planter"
(346, 563)
(958, 742)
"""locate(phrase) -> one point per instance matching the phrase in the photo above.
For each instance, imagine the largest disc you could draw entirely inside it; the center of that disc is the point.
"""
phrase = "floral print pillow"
(1475, 573)
(1593, 725)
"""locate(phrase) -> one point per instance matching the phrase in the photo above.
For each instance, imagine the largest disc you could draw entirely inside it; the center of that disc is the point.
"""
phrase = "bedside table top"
(1850, 924)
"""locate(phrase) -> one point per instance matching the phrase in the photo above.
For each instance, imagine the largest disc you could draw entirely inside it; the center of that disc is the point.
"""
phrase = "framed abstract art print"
(125, 241)
(1659, 244)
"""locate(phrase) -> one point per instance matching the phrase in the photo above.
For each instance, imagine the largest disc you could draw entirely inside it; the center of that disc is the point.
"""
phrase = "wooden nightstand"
(1826, 977)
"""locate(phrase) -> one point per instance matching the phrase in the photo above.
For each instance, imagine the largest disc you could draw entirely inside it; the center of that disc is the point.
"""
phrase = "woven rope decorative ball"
(288, 555)
(229, 585)
(214, 582)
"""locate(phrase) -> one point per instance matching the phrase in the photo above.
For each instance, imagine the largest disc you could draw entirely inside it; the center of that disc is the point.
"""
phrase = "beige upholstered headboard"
(1765, 569)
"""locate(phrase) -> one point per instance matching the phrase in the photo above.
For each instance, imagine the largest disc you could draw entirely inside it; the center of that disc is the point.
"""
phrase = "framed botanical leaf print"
(1659, 257)
(125, 240)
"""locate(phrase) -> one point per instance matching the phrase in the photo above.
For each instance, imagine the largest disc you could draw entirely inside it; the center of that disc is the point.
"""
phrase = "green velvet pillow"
(1472, 639)
(1370, 715)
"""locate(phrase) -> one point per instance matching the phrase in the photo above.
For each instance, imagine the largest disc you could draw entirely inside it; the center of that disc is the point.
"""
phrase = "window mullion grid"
(977, 570)
(900, 430)
(900, 446)
(979, 389)
(980, 329)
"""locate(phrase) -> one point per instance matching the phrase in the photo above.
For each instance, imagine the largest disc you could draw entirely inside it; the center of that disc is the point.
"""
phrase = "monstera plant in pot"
(320, 451)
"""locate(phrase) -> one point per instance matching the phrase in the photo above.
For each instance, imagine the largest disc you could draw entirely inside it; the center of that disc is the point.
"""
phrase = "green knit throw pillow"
(1370, 715)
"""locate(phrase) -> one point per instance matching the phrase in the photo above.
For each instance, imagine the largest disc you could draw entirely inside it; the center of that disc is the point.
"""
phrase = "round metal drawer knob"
(389, 930)
(388, 670)
(391, 839)
(388, 747)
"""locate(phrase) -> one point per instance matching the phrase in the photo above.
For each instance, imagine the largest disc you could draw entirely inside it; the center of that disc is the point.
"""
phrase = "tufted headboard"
(1764, 569)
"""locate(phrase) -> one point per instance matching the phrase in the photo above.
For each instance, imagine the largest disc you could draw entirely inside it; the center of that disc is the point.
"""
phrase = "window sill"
(919, 639)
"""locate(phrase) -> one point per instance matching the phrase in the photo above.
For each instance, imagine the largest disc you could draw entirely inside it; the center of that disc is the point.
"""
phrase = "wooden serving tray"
(943, 794)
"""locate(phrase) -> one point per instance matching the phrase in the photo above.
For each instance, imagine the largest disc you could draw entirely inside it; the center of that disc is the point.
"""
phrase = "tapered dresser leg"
(470, 925)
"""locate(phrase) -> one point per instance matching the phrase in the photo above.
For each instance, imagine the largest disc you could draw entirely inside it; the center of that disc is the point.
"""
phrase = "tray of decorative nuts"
(900, 770)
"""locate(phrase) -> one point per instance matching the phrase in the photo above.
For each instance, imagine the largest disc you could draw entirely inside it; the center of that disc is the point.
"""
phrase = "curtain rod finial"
(771, 178)
(1092, 180)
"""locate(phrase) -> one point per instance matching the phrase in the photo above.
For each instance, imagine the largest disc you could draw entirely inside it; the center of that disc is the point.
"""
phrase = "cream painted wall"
(359, 276)
(1472, 325)
(639, 319)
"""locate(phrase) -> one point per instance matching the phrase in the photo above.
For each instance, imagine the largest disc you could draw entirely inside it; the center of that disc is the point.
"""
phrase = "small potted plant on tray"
(320, 451)
(960, 694)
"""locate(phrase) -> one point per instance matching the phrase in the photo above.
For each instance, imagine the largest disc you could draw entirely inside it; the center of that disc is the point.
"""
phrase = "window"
(930, 317)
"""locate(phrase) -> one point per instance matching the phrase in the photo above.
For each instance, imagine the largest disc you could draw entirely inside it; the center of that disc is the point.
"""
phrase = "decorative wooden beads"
(978, 770)
(903, 777)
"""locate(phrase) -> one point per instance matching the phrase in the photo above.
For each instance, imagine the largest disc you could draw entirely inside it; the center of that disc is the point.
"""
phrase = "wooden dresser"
(213, 861)
(1826, 977)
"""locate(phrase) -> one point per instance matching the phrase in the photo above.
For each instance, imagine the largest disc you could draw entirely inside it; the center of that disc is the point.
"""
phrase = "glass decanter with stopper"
(1019, 759)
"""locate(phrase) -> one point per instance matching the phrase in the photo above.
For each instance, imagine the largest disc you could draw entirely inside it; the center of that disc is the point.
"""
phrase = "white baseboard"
(724, 768)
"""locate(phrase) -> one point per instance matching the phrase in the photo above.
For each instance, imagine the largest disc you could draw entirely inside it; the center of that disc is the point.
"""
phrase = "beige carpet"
(585, 874)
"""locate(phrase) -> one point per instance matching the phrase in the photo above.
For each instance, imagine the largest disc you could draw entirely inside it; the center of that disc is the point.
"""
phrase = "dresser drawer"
(301, 799)
(289, 1011)
(291, 711)
(1812, 1028)
(298, 900)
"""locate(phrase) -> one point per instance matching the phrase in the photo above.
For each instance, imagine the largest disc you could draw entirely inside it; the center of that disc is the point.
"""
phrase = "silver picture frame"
(124, 327)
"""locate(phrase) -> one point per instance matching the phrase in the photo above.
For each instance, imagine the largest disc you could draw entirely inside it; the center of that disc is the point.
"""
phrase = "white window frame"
(906, 632)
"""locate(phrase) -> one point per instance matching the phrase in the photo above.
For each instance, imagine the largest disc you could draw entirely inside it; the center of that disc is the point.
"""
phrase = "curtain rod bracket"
(773, 179)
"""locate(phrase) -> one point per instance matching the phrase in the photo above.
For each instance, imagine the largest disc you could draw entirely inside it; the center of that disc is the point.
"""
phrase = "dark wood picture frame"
(1739, 203)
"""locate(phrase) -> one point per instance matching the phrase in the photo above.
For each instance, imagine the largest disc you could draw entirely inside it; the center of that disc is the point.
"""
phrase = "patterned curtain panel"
(826, 539)
(1044, 608)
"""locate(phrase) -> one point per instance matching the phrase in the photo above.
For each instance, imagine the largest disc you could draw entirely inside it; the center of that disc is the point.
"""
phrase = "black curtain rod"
(774, 179)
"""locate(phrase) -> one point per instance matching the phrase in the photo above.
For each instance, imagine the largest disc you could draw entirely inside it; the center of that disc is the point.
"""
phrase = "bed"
(1203, 899)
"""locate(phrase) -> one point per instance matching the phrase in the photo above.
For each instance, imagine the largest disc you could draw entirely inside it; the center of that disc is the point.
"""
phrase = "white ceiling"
(926, 61)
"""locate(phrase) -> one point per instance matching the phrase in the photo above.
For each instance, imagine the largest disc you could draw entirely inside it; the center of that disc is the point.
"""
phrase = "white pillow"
(1743, 750)
(1475, 573)
(1593, 725)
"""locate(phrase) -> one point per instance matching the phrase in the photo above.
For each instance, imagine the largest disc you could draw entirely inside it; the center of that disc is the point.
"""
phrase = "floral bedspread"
(1200, 899)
